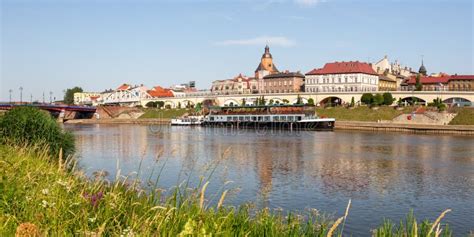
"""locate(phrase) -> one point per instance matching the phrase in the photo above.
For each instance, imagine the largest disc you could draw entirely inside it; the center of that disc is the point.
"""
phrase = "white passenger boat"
(187, 121)
(290, 117)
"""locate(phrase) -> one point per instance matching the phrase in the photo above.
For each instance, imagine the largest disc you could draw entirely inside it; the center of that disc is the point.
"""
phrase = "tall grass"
(37, 193)
(38, 196)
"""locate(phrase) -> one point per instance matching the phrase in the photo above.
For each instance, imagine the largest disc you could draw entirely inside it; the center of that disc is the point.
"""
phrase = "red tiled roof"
(123, 87)
(343, 68)
(442, 79)
(462, 77)
(159, 91)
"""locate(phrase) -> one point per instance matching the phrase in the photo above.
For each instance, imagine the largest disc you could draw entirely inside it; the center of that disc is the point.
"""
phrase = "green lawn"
(164, 113)
(361, 113)
(465, 116)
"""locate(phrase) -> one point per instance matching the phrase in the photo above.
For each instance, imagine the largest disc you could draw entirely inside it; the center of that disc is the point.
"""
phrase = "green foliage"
(410, 227)
(69, 95)
(438, 103)
(270, 102)
(367, 98)
(352, 102)
(151, 104)
(378, 99)
(285, 101)
(198, 107)
(418, 84)
(464, 116)
(299, 100)
(33, 127)
(164, 114)
(179, 105)
(59, 203)
(62, 204)
(362, 113)
(310, 101)
(388, 98)
(243, 102)
(399, 102)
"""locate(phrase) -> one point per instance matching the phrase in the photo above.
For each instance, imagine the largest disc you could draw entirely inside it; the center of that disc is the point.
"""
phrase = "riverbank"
(41, 198)
(410, 128)
(340, 125)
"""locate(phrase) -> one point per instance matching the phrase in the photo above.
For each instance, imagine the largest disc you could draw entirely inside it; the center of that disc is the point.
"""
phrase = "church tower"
(422, 69)
(266, 65)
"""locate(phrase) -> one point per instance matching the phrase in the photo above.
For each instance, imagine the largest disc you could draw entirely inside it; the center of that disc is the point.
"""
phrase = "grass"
(164, 113)
(465, 116)
(361, 113)
(40, 198)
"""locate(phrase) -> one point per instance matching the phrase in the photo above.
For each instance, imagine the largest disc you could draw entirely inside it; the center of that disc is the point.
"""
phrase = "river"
(384, 174)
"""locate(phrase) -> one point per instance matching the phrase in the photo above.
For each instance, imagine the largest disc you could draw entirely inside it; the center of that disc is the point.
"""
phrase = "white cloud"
(308, 3)
(262, 40)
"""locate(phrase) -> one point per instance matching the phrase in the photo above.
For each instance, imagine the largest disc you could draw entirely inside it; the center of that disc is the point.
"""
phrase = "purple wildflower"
(94, 198)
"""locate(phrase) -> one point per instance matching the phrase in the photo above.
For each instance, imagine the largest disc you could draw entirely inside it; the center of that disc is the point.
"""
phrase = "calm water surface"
(385, 174)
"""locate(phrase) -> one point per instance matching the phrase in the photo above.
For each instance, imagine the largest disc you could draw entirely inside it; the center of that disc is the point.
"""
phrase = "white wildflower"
(44, 203)
(92, 220)
(45, 191)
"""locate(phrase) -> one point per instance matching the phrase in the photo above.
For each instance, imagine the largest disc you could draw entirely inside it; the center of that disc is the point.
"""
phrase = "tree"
(352, 102)
(198, 107)
(367, 98)
(151, 104)
(400, 102)
(388, 98)
(285, 101)
(299, 100)
(160, 104)
(378, 99)
(418, 84)
(310, 101)
(69, 95)
(243, 101)
(179, 105)
(270, 102)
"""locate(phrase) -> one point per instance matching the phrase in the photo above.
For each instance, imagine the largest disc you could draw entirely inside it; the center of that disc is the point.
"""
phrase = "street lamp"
(50, 97)
(21, 95)
(10, 95)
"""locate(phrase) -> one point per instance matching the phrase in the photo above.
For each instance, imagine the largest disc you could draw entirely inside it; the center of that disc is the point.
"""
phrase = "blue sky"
(50, 45)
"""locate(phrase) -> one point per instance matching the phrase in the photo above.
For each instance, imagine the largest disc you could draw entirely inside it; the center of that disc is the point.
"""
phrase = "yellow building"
(387, 82)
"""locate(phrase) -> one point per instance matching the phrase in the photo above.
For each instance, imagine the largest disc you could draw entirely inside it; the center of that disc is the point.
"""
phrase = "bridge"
(423, 97)
(69, 111)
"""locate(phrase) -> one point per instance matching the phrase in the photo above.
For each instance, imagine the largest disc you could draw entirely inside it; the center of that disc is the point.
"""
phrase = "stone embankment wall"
(424, 118)
(411, 128)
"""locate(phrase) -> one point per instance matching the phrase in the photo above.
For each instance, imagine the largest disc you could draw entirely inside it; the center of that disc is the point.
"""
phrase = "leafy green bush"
(378, 100)
(388, 98)
(367, 98)
(33, 127)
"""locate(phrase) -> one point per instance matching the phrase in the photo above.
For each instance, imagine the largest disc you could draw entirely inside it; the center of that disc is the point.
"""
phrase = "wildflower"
(188, 228)
(94, 198)
(45, 191)
(44, 203)
(92, 220)
(27, 229)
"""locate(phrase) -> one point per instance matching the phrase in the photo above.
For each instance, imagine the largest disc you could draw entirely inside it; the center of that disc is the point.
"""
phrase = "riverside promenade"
(340, 125)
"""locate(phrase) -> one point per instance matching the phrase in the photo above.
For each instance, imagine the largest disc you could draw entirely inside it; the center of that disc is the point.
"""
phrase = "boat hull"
(297, 126)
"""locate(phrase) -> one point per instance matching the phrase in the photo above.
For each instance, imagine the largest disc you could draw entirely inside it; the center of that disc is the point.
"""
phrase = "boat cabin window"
(254, 118)
(241, 118)
(298, 118)
(282, 118)
(212, 118)
(247, 118)
(259, 118)
(276, 118)
(267, 118)
(291, 118)
(229, 118)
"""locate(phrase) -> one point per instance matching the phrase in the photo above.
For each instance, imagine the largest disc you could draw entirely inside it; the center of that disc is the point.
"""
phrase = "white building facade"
(342, 77)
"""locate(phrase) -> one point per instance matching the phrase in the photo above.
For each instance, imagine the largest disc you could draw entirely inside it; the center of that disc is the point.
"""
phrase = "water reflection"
(385, 174)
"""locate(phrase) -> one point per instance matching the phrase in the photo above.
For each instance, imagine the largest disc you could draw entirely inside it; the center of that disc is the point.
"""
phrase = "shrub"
(151, 104)
(378, 99)
(367, 98)
(310, 101)
(388, 98)
(33, 127)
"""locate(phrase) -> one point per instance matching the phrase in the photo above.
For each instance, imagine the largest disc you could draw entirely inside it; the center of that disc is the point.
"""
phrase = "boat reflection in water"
(287, 117)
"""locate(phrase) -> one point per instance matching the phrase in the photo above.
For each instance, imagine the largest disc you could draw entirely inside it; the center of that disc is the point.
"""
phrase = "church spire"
(422, 69)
